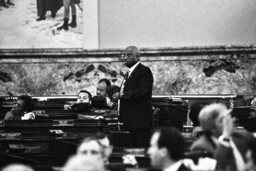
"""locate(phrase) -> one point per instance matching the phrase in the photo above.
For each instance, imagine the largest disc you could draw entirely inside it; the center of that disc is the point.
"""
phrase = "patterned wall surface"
(222, 76)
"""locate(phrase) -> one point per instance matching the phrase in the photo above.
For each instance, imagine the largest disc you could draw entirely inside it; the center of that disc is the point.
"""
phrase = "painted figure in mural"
(166, 150)
(44, 5)
(135, 98)
(5, 4)
(22, 110)
(67, 4)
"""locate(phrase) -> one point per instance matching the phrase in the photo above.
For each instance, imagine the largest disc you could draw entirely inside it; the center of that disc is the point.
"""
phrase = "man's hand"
(116, 96)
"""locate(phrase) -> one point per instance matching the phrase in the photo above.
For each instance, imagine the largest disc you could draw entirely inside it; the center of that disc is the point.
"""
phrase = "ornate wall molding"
(78, 55)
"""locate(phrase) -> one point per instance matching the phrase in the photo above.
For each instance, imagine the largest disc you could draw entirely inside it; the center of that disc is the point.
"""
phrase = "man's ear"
(163, 152)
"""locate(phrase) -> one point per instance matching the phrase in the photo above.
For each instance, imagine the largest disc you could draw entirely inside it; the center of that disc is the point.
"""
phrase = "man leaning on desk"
(135, 98)
(22, 109)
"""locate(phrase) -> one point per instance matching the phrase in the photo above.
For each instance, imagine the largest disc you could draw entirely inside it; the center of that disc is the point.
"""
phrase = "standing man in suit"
(135, 98)
(166, 150)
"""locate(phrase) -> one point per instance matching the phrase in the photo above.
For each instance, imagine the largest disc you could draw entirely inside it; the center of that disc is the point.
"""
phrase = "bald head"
(131, 56)
(133, 50)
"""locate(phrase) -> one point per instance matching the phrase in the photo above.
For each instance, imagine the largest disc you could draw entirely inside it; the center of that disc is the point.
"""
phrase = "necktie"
(123, 83)
(126, 75)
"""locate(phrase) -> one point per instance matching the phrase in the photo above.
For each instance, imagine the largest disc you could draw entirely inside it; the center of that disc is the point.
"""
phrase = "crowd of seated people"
(166, 152)
(85, 103)
(228, 147)
(103, 98)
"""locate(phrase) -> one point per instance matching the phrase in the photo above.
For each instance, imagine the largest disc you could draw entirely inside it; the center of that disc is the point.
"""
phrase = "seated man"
(22, 110)
(220, 138)
(90, 146)
(83, 163)
(83, 102)
(101, 100)
(89, 156)
(166, 150)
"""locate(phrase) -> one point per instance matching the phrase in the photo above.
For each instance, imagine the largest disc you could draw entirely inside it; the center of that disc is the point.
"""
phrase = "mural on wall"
(170, 77)
(37, 24)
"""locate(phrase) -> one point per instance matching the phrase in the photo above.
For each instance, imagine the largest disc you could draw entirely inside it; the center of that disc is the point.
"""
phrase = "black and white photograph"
(129, 85)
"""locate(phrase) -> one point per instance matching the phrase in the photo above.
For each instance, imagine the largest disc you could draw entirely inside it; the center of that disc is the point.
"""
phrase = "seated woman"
(22, 110)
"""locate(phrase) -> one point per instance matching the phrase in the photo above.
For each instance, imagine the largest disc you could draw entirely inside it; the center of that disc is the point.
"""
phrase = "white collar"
(133, 67)
(174, 167)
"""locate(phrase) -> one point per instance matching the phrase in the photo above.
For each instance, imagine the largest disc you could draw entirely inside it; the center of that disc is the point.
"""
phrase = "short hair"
(134, 50)
(106, 81)
(85, 91)
(28, 102)
(209, 114)
(171, 139)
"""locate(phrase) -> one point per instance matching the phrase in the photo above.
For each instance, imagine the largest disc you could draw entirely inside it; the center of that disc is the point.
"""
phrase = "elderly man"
(166, 150)
(135, 98)
(90, 156)
(91, 146)
(220, 138)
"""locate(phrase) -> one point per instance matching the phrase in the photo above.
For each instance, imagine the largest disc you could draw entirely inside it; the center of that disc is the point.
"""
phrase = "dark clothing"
(183, 168)
(204, 144)
(48, 5)
(10, 116)
(135, 104)
(41, 8)
(140, 138)
(54, 5)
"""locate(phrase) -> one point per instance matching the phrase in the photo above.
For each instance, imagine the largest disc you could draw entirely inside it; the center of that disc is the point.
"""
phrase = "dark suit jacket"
(135, 104)
(203, 144)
